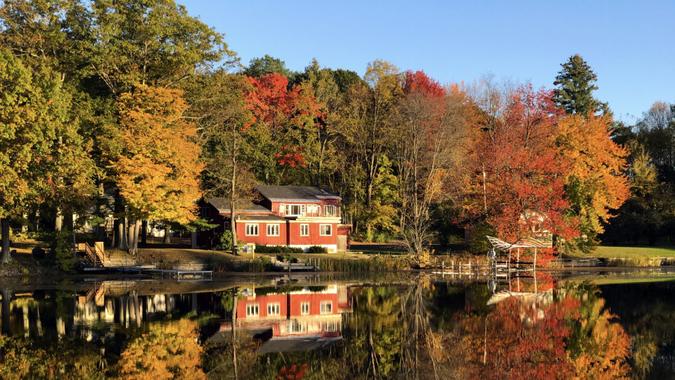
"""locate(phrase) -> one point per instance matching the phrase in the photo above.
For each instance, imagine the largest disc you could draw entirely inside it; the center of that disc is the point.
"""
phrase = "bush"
(225, 241)
(317, 249)
(276, 249)
(62, 249)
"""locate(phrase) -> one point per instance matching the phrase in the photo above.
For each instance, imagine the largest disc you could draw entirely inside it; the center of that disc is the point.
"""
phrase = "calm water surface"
(417, 326)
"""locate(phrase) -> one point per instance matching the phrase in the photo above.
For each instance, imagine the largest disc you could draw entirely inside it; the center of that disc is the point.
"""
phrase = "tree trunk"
(121, 241)
(144, 233)
(233, 190)
(6, 299)
(137, 231)
(5, 231)
(193, 240)
(167, 235)
(58, 221)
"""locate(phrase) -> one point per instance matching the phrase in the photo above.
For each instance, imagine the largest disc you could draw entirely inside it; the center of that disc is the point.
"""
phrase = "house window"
(326, 307)
(298, 327)
(331, 210)
(252, 310)
(272, 230)
(273, 309)
(251, 229)
(295, 210)
(313, 209)
(304, 230)
(304, 308)
(325, 230)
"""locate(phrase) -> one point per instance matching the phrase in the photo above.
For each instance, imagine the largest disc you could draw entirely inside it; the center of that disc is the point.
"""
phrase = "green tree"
(267, 64)
(575, 84)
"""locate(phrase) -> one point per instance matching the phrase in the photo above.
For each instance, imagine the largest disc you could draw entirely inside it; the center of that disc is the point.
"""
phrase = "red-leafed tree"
(520, 177)
(283, 130)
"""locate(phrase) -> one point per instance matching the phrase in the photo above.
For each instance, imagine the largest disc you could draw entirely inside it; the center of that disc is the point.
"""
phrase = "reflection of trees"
(598, 346)
(168, 350)
(572, 337)
(67, 359)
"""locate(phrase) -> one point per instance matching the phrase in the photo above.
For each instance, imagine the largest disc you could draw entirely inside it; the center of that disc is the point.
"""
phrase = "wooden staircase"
(102, 259)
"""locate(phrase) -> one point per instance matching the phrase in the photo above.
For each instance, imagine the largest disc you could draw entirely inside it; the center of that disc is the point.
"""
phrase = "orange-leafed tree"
(595, 182)
(158, 171)
(519, 175)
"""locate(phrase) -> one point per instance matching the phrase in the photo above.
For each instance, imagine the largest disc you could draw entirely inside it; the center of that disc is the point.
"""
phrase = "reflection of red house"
(297, 320)
(295, 216)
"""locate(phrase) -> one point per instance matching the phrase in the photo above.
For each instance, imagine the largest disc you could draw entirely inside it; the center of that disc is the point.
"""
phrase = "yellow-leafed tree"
(595, 183)
(158, 173)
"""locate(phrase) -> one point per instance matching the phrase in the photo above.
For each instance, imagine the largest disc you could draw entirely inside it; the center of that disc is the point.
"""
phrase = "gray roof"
(222, 204)
(259, 217)
(295, 344)
(295, 193)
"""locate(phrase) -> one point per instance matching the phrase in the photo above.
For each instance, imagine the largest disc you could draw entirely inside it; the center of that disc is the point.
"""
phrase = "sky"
(629, 44)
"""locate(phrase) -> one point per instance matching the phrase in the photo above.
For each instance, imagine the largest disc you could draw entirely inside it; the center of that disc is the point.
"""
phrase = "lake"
(401, 326)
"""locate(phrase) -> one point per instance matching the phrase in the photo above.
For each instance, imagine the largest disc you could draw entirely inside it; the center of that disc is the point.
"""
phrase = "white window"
(298, 327)
(326, 307)
(272, 230)
(295, 210)
(325, 230)
(313, 209)
(273, 309)
(304, 308)
(331, 210)
(304, 230)
(252, 310)
(251, 229)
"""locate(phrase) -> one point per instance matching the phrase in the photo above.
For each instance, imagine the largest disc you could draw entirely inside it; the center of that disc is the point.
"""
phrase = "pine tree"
(575, 84)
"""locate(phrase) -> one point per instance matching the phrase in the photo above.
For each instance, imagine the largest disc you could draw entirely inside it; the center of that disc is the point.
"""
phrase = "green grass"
(609, 252)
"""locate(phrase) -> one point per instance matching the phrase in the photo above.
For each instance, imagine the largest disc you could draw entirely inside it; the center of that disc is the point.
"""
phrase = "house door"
(342, 243)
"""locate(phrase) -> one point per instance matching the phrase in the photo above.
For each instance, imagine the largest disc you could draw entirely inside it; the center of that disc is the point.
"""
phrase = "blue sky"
(629, 44)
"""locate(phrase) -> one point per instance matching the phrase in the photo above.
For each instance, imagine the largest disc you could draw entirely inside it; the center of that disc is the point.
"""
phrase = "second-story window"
(326, 307)
(251, 229)
(273, 309)
(330, 210)
(295, 210)
(272, 230)
(304, 308)
(304, 230)
(252, 310)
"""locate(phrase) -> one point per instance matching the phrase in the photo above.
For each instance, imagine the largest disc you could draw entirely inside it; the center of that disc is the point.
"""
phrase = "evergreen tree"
(575, 84)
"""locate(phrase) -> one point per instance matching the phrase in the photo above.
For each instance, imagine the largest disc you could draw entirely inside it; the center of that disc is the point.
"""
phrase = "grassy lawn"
(629, 252)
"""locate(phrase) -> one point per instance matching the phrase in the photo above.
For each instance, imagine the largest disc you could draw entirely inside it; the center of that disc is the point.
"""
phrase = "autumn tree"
(158, 181)
(266, 65)
(519, 175)
(575, 85)
(168, 350)
(595, 182)
(218, 103)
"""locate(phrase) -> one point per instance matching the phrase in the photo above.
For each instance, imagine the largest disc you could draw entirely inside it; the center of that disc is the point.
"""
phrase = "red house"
(293, 216)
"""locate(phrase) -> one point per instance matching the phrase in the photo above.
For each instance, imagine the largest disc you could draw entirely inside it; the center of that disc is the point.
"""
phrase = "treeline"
(137, 110)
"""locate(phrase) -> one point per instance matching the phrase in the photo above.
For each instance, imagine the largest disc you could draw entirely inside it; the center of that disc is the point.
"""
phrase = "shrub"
(225, 241)
(38, 253)
(62, 249)
(317, 249)
(276, 249)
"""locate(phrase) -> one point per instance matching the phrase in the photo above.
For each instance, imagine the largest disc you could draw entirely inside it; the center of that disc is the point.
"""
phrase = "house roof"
(222, 204)
(259, 217)
(295, 193)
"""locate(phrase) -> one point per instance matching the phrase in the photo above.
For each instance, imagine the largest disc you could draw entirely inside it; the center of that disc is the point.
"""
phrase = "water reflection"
(418, 327)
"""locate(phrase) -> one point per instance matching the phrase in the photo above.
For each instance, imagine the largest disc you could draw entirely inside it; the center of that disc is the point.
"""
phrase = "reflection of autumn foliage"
(598, 346)
(574, 337)
(544, 282)
(520, 341)
(168, 351)
(293, 372)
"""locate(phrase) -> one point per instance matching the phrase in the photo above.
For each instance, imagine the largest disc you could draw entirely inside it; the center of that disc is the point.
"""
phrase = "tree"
(265, 65)
(575, 85)
(519, 174)
(32, 109)
(219, 105)
(168, 351)
(595, 182)
(432, 135)
(157, 181)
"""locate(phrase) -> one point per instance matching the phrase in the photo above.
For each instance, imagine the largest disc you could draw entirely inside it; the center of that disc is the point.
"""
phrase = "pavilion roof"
(522, 243)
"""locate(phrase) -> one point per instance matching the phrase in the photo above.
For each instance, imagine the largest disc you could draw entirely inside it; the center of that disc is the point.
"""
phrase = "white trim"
(267, 229)
(321, 306)
(252, 307)
(308, 231)
(321, 229)
(331, 248)
(257, 229)
(275, 305)
(309, 307)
